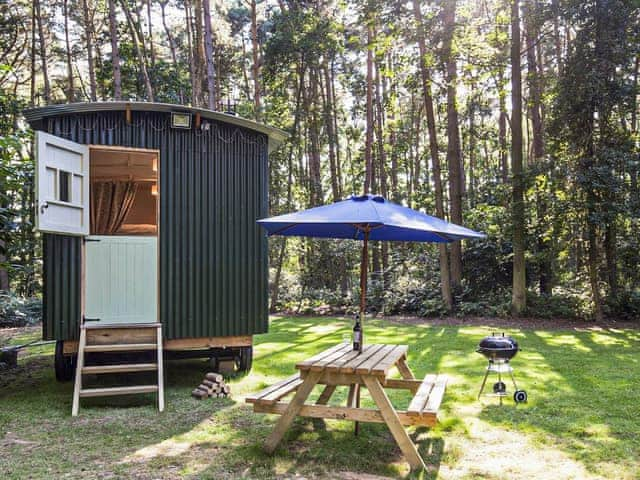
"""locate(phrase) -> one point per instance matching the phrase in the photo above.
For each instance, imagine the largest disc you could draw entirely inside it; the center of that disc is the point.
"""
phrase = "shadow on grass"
(307, 451)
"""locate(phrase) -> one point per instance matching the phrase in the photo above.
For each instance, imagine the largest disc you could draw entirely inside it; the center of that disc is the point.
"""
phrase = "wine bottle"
(357, 335)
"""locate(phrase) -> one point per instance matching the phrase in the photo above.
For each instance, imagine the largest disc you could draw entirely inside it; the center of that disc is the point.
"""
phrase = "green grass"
(582, 419)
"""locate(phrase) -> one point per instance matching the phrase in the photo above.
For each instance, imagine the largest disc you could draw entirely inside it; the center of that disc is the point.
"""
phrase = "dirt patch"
(499, 453)
(25, 375)
(6, 334)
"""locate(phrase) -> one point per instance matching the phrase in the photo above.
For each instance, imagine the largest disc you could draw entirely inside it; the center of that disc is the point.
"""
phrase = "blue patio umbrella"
(367, 217)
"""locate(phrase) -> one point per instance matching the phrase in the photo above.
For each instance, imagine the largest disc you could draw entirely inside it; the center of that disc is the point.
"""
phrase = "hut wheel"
(245, 359)
(65, 365)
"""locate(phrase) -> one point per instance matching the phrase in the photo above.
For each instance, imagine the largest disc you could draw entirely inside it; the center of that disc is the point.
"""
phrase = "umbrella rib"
(280, 230)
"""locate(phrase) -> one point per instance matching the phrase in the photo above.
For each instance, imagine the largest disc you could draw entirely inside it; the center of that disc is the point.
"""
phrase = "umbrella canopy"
(367, 217)
(352, 218)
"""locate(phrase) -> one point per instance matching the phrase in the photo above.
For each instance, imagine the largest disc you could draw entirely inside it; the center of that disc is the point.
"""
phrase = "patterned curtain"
(110, 204)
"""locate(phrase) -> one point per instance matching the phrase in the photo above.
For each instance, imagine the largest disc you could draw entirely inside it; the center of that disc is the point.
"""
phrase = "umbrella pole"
(363, 281)
(363, 295)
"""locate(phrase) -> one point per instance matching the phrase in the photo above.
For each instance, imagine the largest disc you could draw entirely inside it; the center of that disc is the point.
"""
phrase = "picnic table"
(342, 366)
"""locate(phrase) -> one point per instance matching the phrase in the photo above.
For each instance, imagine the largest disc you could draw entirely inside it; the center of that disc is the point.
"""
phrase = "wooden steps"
(123, 326)
(96, 338)
(108, 391)
(122, 347)
(125, 368)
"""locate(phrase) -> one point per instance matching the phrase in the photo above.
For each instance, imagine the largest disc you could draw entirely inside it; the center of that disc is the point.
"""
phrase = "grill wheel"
(520, 396)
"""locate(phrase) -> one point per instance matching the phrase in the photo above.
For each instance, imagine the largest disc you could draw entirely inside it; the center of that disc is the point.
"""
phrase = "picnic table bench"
(342, 366)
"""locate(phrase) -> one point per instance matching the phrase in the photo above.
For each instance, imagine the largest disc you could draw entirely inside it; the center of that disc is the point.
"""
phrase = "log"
(199, 394)
(214, 377)
(204, 388)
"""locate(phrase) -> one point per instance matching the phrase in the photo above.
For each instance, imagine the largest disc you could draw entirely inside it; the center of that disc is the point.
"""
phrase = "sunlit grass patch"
(582, 420)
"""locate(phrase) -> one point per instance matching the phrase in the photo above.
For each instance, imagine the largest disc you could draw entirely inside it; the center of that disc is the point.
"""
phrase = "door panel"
(62, 185)
(121, 279)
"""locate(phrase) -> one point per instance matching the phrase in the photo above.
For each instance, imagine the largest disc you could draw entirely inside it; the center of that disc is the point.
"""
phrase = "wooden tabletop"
(374, 359)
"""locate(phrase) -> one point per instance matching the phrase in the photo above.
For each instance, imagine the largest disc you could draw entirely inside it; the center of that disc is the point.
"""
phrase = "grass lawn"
(582, 420)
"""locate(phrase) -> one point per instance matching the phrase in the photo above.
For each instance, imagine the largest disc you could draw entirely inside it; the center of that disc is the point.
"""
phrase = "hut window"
(64, 186)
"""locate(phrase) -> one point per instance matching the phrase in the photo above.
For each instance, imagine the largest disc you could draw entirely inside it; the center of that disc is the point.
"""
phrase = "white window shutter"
(62, 185)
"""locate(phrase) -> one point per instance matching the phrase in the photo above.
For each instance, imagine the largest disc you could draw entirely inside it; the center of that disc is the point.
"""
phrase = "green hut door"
(121, 279)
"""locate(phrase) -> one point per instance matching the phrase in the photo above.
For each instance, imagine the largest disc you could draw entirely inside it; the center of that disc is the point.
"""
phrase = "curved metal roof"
(276, 136)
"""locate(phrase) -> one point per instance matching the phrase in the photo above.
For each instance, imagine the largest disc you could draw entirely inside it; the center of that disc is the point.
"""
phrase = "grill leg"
(484, 382)
(513, 379)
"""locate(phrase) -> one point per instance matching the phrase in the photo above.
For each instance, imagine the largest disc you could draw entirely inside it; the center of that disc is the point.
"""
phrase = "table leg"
(290, 414)
(393, 422)
(404, 369)
(325, 396)
(353, 401)
(323, 399)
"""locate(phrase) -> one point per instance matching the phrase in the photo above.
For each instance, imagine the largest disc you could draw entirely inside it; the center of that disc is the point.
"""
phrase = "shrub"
(626, 306)
(16, 311)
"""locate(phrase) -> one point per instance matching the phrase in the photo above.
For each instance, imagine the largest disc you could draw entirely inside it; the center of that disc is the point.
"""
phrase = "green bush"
(626, 306)
(16, 311)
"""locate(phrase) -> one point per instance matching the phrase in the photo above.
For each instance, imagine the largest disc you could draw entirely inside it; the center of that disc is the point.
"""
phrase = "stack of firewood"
(212, 386)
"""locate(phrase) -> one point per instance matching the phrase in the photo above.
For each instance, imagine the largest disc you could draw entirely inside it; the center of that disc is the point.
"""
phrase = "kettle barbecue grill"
(499, 350)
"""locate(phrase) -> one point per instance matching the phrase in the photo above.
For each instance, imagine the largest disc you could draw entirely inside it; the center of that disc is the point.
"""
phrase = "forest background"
(516, 118)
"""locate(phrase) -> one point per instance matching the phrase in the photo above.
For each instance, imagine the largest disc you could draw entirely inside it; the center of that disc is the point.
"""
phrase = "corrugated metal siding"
(213, 256)
(61, 277)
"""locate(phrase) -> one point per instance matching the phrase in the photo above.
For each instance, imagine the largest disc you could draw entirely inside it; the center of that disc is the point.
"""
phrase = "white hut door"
(62, 185)
(121, 279)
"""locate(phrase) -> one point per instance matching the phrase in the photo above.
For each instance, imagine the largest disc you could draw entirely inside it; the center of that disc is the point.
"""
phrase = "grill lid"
(497, 347)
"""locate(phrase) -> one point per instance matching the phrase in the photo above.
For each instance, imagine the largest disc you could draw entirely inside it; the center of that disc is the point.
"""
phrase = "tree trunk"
(519, 294)
(472, 148)
(331, 135)
(152, 49)
(336, 131)
(101, 87)
(393, 140)
(502, 132)
(136, 44)
(453, 136)
(208, 44)
(32, 55)
(381, 266)
(4, 274)
(315, 178)
(70, 78)
(593, 268)
(43, 53)
(167, 31)
(115, 52)
(368, 147)
(88, 34)
(192, 57)
(256, 60)
(610, 235)
(416, 178)
(445, 281)
(198, 54)
(382, 155)
(556, 34)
